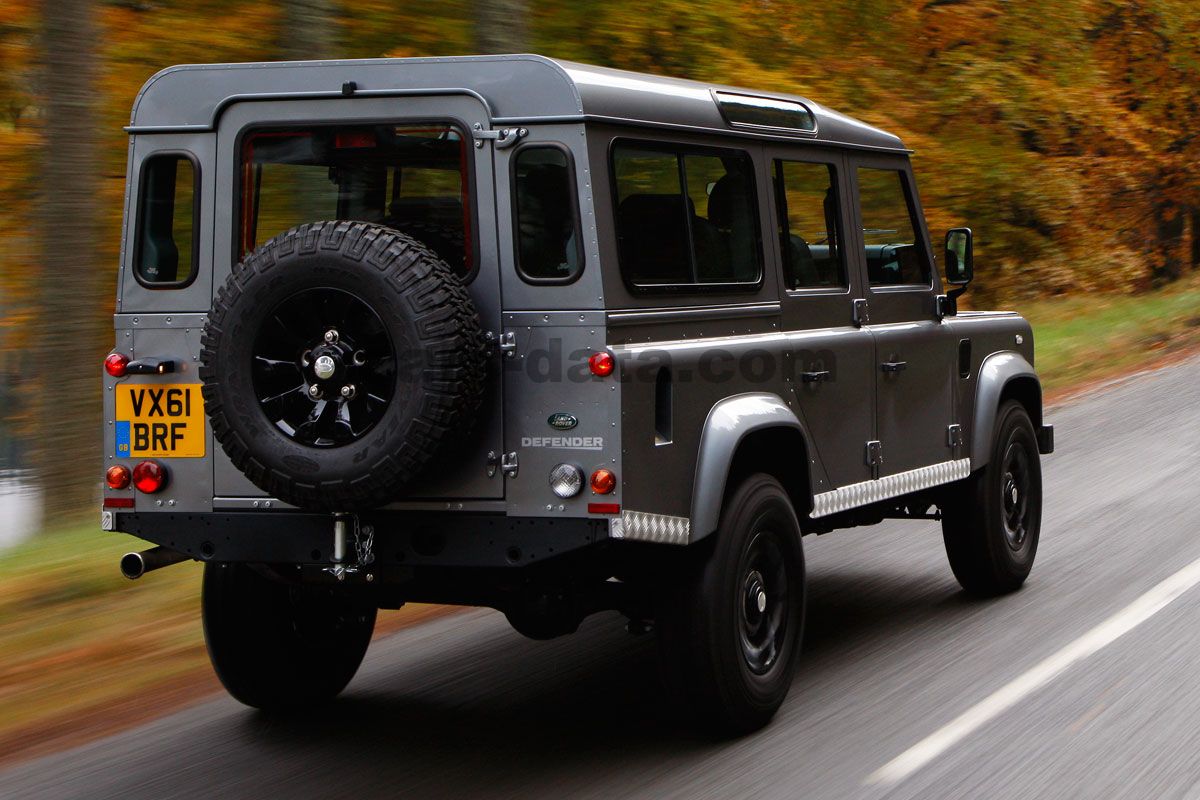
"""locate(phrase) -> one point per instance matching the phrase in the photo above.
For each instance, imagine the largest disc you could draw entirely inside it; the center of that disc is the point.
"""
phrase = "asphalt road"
(465, 707)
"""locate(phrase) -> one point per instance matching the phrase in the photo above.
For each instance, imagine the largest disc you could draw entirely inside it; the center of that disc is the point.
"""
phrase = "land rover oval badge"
(562, 421)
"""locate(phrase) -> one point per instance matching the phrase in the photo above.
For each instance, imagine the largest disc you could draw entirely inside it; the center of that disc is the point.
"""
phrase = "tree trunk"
(1168, 222)
(1195, 217)
(502, 26)
(308, 30)
(69, 341)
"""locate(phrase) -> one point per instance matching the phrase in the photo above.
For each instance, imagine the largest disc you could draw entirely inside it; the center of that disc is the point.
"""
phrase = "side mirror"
(960, 256)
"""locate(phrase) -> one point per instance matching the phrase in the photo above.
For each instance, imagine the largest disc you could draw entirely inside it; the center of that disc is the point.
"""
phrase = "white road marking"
(1038, 676)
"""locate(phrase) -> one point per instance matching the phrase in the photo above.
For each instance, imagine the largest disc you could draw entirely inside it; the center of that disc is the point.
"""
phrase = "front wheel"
(277, 646)
(729, 625)
(992, 521)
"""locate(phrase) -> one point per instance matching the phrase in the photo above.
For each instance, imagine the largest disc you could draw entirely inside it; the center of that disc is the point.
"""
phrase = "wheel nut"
(360, 358)
(331, 336)
(348, 391)
(314, 391)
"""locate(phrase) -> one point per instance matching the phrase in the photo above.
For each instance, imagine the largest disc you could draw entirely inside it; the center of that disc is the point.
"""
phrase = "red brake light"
(117, 477)
(601, 364)
(115, 364)
(603, 481)
(354, 139)
(149, 477)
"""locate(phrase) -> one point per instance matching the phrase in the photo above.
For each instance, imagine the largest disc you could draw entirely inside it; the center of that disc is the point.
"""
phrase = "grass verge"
(1082, 340)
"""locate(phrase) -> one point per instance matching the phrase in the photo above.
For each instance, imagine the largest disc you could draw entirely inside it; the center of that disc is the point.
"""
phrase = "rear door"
(832, 359)
(914, 351)
(271, 178)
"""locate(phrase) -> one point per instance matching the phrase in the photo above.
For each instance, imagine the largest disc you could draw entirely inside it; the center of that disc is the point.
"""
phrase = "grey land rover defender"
(544, 337)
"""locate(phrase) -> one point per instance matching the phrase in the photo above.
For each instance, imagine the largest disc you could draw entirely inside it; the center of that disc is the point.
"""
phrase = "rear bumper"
(1045, 439)
(400, 539)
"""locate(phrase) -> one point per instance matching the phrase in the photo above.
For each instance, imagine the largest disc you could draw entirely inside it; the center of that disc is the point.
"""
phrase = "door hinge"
(505, 342)
(861, 312)
(509, 465)
(874, 454)
(503, 138)
(493, 463)
(954, 436)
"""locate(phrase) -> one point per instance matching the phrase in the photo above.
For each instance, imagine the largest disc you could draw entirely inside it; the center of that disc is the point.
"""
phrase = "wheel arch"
(1002, 376)
(754, 432)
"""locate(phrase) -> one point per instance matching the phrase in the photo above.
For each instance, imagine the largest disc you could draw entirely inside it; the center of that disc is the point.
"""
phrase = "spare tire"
(338, 360)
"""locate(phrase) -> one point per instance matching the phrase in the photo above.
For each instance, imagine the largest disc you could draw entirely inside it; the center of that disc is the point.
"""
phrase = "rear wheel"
(277, 646)
(729, 626)
(992, 521)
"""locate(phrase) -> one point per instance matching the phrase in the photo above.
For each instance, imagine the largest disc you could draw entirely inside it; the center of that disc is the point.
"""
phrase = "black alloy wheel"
(730, 620)
(324, 367)
(991, 521)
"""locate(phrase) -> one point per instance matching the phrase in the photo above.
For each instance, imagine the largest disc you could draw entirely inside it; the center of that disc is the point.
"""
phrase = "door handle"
(894, 366)
(815, 376)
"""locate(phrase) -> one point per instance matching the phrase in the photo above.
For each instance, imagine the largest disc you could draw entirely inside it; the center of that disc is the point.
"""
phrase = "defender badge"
(562, 421)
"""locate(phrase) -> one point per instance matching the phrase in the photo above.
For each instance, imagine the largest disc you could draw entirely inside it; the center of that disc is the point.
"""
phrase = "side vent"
(964, 358)
(662, 406)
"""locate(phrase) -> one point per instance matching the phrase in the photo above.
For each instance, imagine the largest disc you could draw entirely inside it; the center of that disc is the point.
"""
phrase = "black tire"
(427, 366)
(991, 534)
(711, 631)
(448, 241)
(277, 646)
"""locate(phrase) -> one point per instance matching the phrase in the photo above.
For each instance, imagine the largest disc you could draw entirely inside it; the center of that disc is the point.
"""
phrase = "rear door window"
(687, 218)
(413, 178)
(894, 256)
(166, 252)
(809, 225)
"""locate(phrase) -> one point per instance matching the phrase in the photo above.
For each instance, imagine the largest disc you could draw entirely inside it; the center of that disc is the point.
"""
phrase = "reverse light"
(117, 477)
(116, 365)
(566, 480)
(149, 477)
(601, 364)
(603, 481)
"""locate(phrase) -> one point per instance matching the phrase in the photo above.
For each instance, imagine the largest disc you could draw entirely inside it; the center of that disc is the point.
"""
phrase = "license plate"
(160, 421)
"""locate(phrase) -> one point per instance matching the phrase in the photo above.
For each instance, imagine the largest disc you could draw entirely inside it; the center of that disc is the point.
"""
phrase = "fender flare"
(728, 423)
(996, 372)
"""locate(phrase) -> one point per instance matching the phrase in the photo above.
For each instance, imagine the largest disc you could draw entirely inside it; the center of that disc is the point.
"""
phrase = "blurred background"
(1064, 132)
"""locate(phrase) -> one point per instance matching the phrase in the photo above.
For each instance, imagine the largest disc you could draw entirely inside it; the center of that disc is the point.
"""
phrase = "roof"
(514, 88)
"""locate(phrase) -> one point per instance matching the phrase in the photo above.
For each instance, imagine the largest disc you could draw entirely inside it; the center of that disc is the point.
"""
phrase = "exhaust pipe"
(135, 565)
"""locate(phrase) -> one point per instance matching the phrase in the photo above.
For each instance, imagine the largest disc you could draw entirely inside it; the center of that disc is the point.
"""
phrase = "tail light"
(116, 365)
(601, 364)
(149, 477)
(117, 477)
(603, 481)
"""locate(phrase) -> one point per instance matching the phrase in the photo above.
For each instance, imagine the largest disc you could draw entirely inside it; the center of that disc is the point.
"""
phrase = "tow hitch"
(345, 526)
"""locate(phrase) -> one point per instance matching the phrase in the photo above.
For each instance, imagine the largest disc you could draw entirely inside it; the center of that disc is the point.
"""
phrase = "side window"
(548, 245)
(166, 242)
(810, 233)
(889, 230)
(686, 218)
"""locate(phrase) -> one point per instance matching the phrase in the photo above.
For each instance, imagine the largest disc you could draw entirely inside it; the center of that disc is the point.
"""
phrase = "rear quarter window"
(547, 218)
(168, 211)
